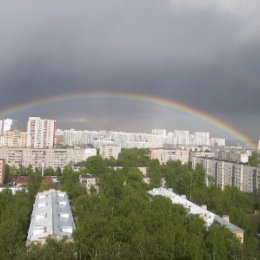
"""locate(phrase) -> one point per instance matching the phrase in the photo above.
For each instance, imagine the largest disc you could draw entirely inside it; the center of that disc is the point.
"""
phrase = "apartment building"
(39, 158)
(237, 156)
(40, 132)
(7, 125)
(245, 178)
(109, 151)
(165, 155)
(13, 139)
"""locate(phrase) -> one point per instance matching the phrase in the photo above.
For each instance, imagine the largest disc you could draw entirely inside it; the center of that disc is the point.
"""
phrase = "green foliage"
(49, 171)
(34, 182)
(15, 217)
(94, 165)
(70, 183)
(52, 249)
(221, 244)
(122, 222)
(254, 160)
(133, 157)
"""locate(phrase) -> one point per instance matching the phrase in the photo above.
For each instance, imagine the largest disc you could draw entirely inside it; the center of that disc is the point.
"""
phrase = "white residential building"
(51, 217)
(217, 141)
(165, 155)
(40, 132)
(13, 139)
(109, 151)
(202, 138)
(7, 125)
(89, 152)
(181, 137)
(39, 158)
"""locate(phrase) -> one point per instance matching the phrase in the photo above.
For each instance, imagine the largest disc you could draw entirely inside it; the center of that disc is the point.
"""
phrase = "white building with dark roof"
(89, 181)
(51, 217)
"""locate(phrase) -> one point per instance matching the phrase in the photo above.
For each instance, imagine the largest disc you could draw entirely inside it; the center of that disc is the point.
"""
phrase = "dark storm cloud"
(206, 54)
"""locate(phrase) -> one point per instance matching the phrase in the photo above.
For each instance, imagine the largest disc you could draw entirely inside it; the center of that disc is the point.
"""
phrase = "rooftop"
(51, 216)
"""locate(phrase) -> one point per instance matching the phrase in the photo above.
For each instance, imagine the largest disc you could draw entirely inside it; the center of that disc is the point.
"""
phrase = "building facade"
(40, 132)
(2, 171)
(245, 178)
(109, 151)
(41, 158)
(165, 155)
(13, 139)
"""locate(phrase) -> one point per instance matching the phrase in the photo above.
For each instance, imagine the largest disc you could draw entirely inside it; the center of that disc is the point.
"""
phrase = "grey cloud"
(207, 57)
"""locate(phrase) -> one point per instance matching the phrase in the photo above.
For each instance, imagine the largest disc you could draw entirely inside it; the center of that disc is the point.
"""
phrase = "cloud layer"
(202, 53)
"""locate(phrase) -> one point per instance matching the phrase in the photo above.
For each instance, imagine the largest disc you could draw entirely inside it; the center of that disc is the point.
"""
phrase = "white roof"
(51, 216)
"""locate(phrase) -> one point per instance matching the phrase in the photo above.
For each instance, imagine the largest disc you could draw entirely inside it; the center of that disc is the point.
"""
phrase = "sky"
(203, 53)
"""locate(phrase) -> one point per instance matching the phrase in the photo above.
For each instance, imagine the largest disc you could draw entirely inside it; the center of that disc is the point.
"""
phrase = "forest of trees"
(122, 222)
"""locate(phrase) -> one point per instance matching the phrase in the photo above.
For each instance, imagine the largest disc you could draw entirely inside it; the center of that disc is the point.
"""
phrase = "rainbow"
(177, 106)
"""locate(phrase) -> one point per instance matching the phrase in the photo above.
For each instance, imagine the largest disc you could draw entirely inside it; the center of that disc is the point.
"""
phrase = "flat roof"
(51, 216)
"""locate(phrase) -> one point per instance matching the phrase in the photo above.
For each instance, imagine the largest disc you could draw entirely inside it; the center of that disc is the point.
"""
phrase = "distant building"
(7, 125)
(89, 181)
(217, 141)
(40, 132)
(194, 209)
(238, 156)
(109, 151)
(51, 217)
(89, 152)
(165, 155)
(39, 158)
(162, 132)
(258, 147)
(59, 137)
(2, 171)
(13, 139)
(246, 178)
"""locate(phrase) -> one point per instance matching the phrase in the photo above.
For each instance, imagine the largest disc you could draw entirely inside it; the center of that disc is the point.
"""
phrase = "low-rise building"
(13, 139)
(89, 181)
(194, 209)
(21, 181)
(51, 217)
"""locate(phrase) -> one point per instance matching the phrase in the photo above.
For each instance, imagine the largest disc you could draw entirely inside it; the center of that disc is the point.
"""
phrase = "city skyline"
(236, 136)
